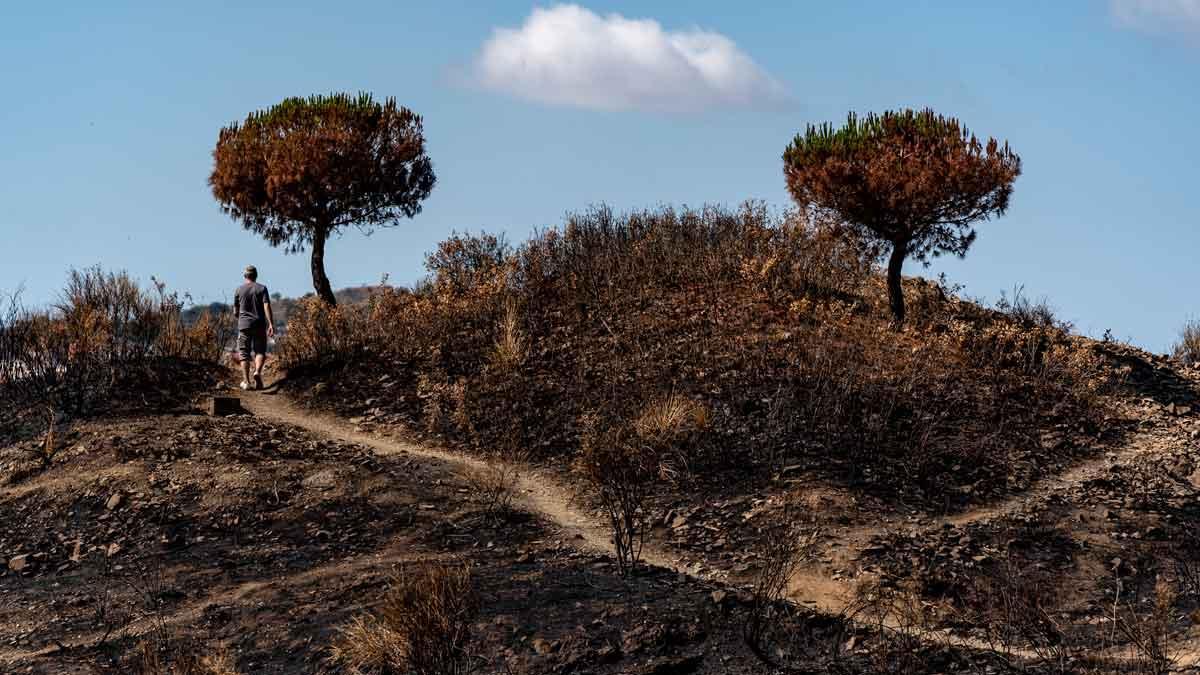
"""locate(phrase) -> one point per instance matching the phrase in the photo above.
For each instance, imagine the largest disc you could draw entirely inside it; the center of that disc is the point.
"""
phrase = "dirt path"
(538, 492)
(1141, 443)
(543, 495)
(814, 588)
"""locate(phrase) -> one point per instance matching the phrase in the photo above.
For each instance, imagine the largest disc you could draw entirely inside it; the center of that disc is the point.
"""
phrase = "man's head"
(251, 273)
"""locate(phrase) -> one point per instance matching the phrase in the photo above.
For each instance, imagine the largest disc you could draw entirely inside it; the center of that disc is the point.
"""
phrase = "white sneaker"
(244, 385)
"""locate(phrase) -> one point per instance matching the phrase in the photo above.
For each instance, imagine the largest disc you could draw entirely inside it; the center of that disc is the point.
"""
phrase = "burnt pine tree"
(914, 181)
(305, 169)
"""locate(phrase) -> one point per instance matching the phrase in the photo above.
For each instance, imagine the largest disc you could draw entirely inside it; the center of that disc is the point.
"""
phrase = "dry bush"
(422, 626)
(49, 446)
(1187, 349)
(445, 407)
(780, 551)
(105, 336)
(599, 255)
(495, 484)
(623, 470)
(905, 627)
(1028, 313)
(321, 335)
(1149, 633)
(464, 262)
(1017, 616)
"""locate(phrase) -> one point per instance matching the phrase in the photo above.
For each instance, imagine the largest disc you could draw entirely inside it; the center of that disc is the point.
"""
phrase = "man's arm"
(270, 317)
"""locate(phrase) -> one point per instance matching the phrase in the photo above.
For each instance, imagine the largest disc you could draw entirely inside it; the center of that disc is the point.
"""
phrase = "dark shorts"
(252, 340)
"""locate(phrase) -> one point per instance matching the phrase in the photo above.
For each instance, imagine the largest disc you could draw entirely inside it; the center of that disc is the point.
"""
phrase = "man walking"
(252, 306)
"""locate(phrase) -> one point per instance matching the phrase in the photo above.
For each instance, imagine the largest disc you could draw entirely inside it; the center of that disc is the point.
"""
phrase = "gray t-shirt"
(249, 302)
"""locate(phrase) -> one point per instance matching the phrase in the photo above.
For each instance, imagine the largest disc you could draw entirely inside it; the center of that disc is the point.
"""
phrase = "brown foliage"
(304, 169)
(423, 626)
(914, 181)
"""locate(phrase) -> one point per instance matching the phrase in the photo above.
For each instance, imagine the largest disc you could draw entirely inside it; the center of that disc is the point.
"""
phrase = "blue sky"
(111, 111)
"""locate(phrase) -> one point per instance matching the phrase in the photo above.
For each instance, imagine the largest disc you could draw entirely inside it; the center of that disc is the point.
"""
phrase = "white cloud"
(1174, 15)
(569, 55)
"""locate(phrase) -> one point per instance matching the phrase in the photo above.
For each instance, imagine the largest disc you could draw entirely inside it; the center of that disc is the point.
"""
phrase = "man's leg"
(260, 355)
(244, 350)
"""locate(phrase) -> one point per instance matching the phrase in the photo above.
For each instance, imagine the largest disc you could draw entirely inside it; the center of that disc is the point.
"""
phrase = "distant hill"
(281, 306)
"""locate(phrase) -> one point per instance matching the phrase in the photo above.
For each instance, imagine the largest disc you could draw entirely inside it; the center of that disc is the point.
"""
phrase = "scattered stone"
(18, 563)
(113, 501)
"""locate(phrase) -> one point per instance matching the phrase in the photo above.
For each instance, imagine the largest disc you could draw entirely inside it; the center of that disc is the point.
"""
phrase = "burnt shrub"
(106, 336)
(623, 471)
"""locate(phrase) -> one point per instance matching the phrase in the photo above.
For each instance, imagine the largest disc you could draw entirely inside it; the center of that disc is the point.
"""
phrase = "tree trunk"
(320, 281)
(895, 287)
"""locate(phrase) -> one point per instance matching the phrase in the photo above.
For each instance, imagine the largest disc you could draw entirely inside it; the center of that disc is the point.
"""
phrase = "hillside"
(810, 488)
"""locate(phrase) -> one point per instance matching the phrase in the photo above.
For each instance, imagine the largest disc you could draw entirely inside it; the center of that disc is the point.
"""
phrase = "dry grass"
(670, 417)
(1187, 349)
(422, 626)
(511, 347)
(673, 428)
(153, 657)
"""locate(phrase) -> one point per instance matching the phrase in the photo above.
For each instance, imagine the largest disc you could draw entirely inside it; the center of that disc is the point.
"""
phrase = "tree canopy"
(306, 168)
(913, 179)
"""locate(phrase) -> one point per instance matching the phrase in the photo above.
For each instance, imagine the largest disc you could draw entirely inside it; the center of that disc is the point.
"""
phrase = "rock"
(113, 501)
(542, 647)
(719, 596)
(321, 480)
(223, 406)
(18, 563)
